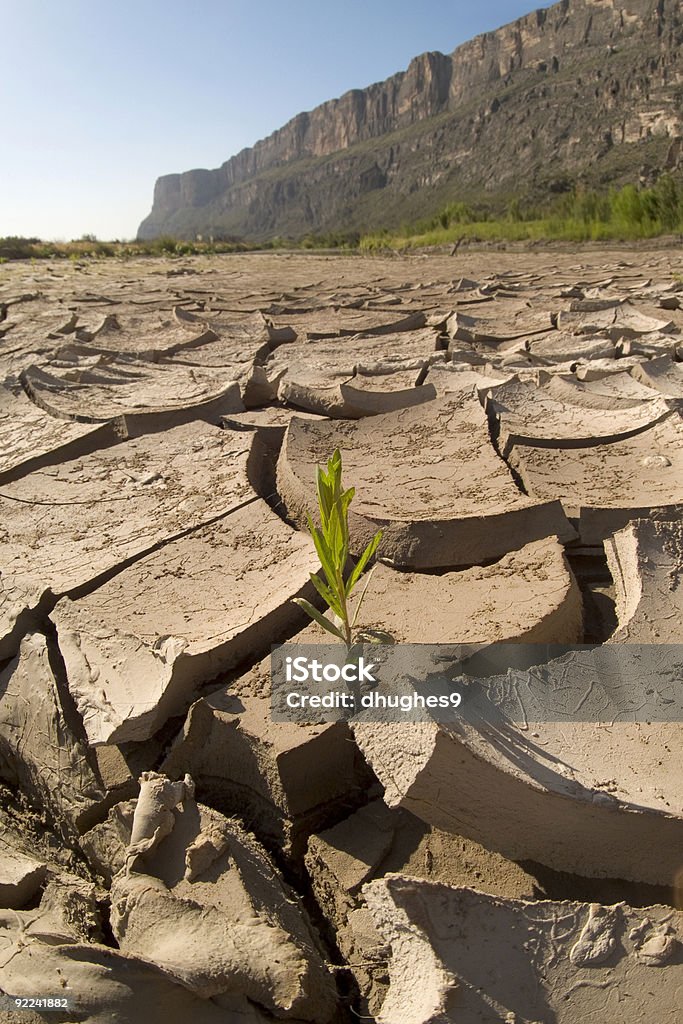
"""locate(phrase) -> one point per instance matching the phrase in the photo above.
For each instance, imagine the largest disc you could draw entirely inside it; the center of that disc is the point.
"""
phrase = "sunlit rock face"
(584, 86)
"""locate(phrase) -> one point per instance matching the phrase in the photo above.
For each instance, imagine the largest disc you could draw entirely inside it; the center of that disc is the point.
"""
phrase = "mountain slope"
(585, 88)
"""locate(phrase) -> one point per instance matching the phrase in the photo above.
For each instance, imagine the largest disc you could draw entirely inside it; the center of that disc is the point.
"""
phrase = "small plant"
(332, 544)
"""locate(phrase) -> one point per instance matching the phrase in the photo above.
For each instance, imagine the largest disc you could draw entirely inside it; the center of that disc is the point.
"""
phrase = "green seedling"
(332, 544)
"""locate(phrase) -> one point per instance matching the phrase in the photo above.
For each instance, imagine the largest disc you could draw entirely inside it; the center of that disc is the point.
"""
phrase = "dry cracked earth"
(168, 852)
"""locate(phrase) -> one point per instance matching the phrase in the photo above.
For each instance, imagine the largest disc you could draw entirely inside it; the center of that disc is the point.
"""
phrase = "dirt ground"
(511, 420)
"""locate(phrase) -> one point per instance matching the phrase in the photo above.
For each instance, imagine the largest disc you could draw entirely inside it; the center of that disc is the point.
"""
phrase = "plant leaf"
(324, 554)
(337, 545)
(362, 597)
(362, 562)
(319, 617)
(324, 497)
(334, 468)
(344, 502)
(327, 595)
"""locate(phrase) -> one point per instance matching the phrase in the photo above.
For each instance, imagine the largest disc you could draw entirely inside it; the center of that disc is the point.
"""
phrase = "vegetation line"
(578, 215)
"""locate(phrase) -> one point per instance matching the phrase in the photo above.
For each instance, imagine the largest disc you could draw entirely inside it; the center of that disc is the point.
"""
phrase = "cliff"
(587, 89)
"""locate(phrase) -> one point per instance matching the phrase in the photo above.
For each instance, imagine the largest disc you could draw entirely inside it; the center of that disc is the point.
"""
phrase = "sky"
(101, 97)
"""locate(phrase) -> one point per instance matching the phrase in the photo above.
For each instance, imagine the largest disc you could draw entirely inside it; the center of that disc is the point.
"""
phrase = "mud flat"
(512, 420)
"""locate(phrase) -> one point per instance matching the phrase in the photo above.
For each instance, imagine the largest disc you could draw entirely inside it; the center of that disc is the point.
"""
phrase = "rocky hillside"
(583, 90)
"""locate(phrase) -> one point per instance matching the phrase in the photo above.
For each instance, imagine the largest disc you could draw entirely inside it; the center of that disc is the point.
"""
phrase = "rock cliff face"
(589, 88)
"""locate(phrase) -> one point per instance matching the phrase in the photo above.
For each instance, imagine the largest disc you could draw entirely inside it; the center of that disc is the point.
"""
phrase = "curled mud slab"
(616, 321)
(349, 321)
(325, 376)
(428, 476)
(601, 369)
(526, 415)
(529, 595)
(283, 779)
(21, 877)
(41, 743)
(69, 525)
(459, 378)
(605, 486)
(646, 563)
(560, 347)
(157, 398)
(199, 897)
(617, 391)
(109, 985)
(518, 321)
(373, 843)
(137, 648)
(369, 394)
(140, 333)
(662, 374)
(570, 962)
(538, 789)
(60, 947)
(31, 438)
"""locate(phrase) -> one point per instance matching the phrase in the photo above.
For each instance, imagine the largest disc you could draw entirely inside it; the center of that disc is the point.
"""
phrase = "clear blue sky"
(100, 97)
